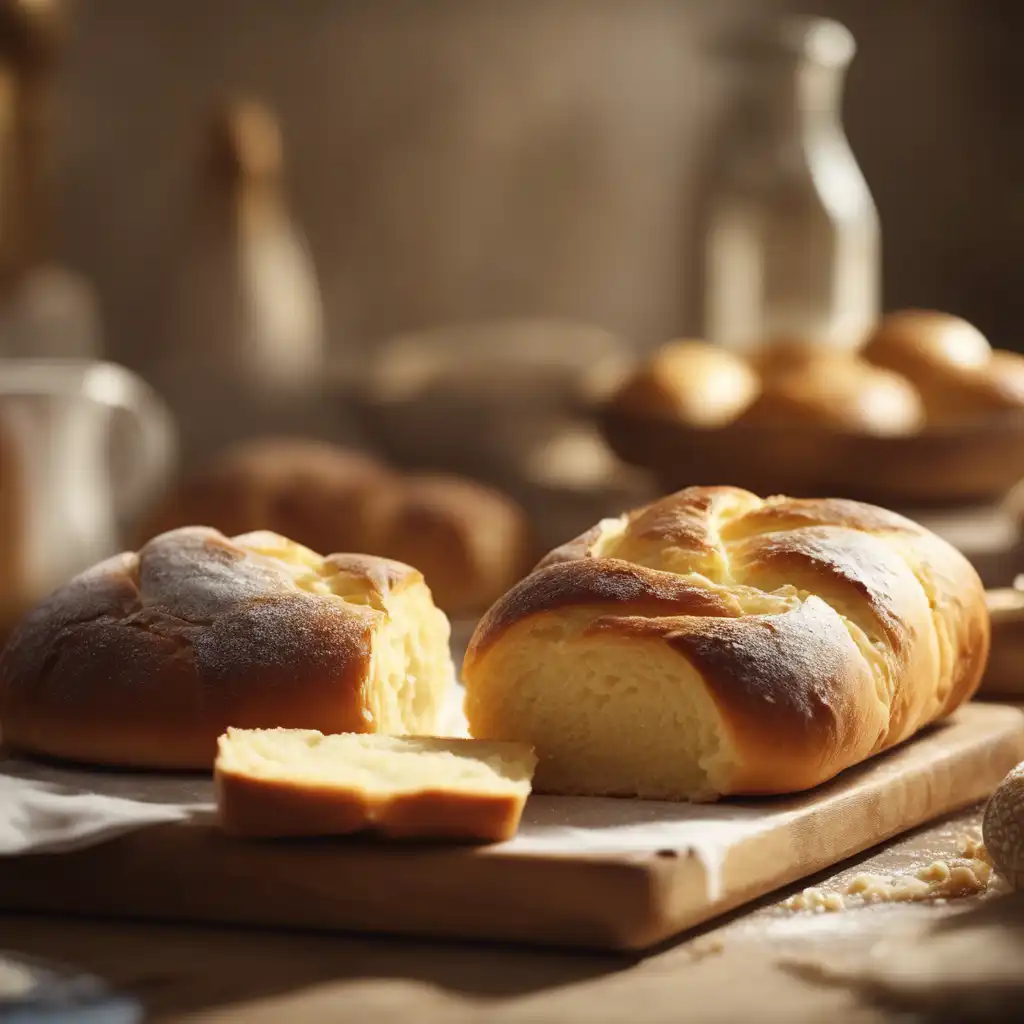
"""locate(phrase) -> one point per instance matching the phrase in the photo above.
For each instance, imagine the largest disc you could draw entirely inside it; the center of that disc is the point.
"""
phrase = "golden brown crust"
(925, 345)
(601, 583)
(997, 388)
(147, 658)
(690, 382)
(952, 364)
(785, 355)
(823, 630)
(838, 393)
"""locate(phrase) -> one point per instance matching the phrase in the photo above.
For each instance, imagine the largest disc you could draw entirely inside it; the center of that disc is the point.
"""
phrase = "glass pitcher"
(84, 447)
(792, 246)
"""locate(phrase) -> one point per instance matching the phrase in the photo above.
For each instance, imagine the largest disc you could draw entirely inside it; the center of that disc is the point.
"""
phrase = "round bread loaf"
(469, 540)
(840, 393)
(997, 387)
(145, 659)
(945, 357)
(311, 491)
(716, 643)
(784, 355)
(925, 345)
(689, 382)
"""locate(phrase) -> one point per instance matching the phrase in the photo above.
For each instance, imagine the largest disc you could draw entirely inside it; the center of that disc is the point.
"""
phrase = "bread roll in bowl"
(788, 354)
(469, 540)
(145, 659)
(920, 343)
(714, 643)
(995, 389)
(839, 393)
(689, 382)
(938, 352)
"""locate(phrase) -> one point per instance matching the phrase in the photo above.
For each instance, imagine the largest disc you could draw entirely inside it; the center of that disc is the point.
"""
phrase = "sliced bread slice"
(298, 782)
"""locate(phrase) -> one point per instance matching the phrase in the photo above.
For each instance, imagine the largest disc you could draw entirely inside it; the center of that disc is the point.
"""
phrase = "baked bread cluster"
(715, 643)
(469, 541)
(917, 369)
(147, 658)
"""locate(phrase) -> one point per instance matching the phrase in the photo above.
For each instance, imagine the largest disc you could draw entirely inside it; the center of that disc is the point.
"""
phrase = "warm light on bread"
(784, 355)
(926, 345)
(145, 659)
(716, 643)
(690, 382)
(293, 782)
(841, 393)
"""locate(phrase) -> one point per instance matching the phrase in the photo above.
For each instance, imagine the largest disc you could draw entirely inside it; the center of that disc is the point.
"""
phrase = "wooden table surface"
(764, 963)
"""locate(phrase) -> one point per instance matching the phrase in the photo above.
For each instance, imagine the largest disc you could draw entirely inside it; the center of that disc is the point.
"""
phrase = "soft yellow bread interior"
(612, 716)
(377, 765)
(412, 665)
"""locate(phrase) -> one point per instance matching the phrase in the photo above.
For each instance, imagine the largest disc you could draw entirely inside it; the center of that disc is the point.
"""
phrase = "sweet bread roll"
(715, 643)
(923, 344)
(145, 659)
(296, 782)
(840, 393)
(689, 382)
(998, 387)
(786, 355)
(311, 491)
(469, 540)
(937, 352)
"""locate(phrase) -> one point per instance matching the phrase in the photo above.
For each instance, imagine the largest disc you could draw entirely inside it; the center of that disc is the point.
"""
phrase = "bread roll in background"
(312, 491)
(943, 355)
(693, 383)
(470, 541)
(784, 355)
(996, 388)
(146, 659)
(295, 782)
(714, 643)
(839, 392)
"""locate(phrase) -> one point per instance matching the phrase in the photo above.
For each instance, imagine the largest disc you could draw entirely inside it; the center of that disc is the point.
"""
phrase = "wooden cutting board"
(594, 873)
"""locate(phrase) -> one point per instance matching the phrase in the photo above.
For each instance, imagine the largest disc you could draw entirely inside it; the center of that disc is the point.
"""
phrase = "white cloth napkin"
(44, 809)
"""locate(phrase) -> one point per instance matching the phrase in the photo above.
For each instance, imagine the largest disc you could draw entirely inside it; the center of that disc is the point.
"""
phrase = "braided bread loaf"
(715, 643)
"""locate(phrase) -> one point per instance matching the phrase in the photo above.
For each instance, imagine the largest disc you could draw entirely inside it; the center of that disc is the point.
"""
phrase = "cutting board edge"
(646, 898)
(1004, 752)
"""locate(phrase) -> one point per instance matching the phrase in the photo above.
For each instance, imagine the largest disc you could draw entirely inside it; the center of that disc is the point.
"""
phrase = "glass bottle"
(243, 350)
(792, 244)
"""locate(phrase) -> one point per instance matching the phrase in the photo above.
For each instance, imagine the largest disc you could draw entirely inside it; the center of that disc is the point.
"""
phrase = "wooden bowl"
(975, 464)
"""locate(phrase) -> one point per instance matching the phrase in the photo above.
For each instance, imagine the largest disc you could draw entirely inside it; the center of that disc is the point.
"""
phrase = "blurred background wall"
(460, 158)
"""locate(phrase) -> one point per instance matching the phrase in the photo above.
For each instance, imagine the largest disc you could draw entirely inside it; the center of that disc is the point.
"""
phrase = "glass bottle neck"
(795, 101)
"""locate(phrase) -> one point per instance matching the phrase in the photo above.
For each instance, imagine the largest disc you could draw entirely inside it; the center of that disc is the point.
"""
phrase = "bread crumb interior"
(376, 763)
(411, 648)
